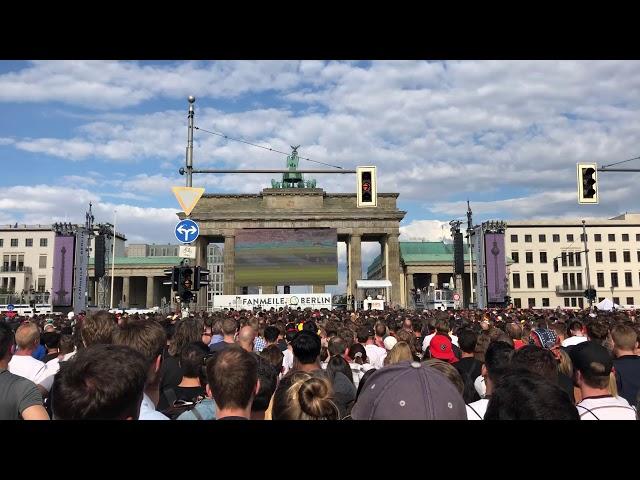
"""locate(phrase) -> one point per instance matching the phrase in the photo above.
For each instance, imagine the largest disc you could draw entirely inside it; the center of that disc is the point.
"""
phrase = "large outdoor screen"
(291, 256)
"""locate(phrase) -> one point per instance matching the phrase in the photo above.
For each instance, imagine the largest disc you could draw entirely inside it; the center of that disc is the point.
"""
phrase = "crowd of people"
(323, 365)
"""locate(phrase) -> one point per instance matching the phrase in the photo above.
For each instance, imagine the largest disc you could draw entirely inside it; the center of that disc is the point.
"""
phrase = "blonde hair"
(448, 370)
(400, 352)
(27, 335)
(309, 398)
(565, 366)
(613, 386)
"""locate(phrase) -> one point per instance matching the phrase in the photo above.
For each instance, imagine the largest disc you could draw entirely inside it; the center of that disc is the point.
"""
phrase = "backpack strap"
(474, 411)
(196, 413)
(170, 396)
(588, 410)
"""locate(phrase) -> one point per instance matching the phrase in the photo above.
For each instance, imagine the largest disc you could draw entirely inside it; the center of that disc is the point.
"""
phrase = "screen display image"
(496, 266)
(305, 256)
(63, 255)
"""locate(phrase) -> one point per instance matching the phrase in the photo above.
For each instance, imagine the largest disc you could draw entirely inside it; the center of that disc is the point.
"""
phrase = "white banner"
(248, 302)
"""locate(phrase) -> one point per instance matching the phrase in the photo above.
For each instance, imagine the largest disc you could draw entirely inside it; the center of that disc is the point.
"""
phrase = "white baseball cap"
(390, 342)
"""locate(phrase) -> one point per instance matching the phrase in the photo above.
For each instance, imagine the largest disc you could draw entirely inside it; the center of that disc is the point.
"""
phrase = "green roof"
(422, 252)
(425, 252)
(142, 260)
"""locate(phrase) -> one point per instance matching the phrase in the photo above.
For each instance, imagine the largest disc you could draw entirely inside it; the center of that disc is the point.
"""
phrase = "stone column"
(151, 292)
(92, 291)
(96, 292)
(201, 261)
(126, 297)
(409, 297)
(355, 264)
(229, 287)
(393, 247)
(317, 289)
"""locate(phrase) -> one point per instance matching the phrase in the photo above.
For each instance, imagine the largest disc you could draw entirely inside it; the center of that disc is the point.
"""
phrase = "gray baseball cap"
(409, 391)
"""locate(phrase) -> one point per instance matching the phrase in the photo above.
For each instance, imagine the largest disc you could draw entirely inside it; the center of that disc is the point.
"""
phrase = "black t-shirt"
(469, 369)
(628, 377)
(171, 377)
(566, 384)
(219, 347)
(189, 394)
(50, 356)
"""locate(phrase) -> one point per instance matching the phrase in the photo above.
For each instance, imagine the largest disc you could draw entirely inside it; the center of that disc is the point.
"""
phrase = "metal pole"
(189, 165)
(113, 258)
(586, 255)
(470, 270)
(270, 170)
(469, 230)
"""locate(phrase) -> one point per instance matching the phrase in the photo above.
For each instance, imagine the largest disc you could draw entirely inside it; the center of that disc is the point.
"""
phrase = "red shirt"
(518, 344)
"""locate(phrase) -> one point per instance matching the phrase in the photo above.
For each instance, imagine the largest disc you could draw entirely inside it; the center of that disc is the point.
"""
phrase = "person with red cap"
(442, 349)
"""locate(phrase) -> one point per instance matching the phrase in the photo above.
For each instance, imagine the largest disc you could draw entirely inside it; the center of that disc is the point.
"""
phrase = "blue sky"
(504, 134)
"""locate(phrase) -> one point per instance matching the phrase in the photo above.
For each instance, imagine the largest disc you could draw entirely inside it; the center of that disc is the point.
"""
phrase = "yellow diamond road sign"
(187, 197)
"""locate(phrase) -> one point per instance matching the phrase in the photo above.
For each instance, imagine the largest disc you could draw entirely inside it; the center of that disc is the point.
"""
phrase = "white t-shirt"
(28, 367)
(375, 355)
(480, 386)
(427, 341)
(287, 360)
(476, 410)
(358, 371)
(606, 408)
(53, 365)
(568, 342)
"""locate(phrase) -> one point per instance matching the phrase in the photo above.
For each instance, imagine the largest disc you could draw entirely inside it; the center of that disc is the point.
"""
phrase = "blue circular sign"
(10, 307)
(186, 231)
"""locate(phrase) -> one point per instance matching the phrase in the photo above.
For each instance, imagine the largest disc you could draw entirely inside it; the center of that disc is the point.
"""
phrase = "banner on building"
(496, 263)
(62, 285)
(314, 301)
(80, 271)
(480, 285)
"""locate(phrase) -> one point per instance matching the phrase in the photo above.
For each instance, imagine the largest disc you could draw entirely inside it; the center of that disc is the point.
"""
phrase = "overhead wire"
(265, 148)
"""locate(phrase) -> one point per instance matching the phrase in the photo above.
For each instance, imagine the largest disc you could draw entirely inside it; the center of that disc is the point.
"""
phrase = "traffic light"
(185, 284)
(172, 275)
(201, 278)
(366, 187)
(590, 294)
(555, 264)
(587, 183)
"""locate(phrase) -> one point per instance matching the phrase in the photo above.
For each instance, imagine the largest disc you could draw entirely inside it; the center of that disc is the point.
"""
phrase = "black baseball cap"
(592, 359)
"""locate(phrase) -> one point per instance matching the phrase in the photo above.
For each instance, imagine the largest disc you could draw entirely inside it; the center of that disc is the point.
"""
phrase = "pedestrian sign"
(187, 231)
(10, 307)
(187, 197)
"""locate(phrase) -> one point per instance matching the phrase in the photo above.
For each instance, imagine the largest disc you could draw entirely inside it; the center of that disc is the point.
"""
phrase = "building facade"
(421, 264)
(614, 261)
(152, 250)
(215, 265)
(27, 258)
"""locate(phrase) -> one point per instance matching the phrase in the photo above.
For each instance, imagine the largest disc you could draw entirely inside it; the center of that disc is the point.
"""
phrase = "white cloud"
(114, 84)
(425, 230)
(78, 180)
(45, 204)
(505, 134)
(6, 141)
